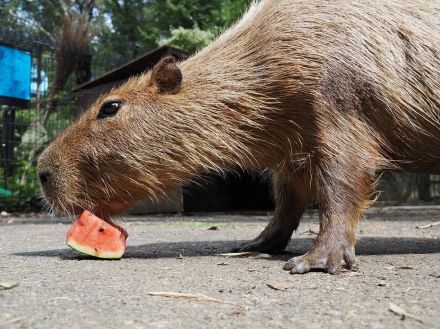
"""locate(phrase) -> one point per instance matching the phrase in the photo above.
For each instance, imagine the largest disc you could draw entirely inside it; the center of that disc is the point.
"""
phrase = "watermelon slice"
(96, 237)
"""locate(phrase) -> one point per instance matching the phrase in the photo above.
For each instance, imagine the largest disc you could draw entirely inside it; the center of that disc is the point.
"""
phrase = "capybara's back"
(324, 94)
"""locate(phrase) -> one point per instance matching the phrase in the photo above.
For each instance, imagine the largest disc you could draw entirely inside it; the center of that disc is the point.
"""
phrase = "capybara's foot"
(324, 258)
(272, 244)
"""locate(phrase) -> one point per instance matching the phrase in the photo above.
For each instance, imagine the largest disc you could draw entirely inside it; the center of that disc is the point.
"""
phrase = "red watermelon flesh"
(96, 237)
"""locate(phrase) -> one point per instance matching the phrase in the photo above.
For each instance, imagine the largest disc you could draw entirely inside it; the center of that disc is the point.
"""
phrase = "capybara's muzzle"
(50, 174)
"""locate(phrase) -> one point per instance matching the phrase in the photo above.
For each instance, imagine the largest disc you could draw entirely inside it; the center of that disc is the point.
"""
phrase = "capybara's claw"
(322, 259)
(297, 265)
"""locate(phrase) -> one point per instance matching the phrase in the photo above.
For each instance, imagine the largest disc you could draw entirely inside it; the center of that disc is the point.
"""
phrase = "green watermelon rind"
(92, 252)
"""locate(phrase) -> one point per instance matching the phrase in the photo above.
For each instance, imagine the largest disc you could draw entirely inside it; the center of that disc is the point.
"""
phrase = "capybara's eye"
(109, 109)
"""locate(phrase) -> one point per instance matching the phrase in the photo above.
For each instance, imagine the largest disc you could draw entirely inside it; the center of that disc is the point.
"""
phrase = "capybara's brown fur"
(324, 94)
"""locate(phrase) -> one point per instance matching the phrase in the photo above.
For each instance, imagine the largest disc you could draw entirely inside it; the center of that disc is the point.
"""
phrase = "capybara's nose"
(45, 177)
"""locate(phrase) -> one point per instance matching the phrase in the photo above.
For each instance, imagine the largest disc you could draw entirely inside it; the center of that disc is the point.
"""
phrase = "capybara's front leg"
(344, 190)
(333, 248)
(291, 198)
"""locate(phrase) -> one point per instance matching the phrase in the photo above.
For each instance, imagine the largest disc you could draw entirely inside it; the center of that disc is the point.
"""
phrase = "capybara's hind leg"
(291, 199)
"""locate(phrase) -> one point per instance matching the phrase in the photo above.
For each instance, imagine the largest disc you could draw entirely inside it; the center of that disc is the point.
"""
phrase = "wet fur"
(324, 94)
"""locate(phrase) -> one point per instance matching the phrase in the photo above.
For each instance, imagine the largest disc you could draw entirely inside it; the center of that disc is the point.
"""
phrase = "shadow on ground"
(364, 246)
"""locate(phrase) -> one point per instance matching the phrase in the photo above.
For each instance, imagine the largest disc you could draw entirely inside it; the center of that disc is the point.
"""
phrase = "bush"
(25, 196)
(190, 40)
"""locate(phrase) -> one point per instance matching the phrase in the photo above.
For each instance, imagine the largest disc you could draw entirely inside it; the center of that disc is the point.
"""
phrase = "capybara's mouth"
(107, 209)
(106, 212)
(102, 209)
(111, 222)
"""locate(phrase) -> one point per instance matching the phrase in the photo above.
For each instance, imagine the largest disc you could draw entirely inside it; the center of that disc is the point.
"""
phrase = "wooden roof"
(134, 67)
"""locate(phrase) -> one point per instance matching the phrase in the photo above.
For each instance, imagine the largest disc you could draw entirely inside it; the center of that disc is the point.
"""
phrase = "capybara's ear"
(166, 76)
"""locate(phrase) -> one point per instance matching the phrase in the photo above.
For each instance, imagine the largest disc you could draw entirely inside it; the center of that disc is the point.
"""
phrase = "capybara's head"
(116, 152)
(140, 140)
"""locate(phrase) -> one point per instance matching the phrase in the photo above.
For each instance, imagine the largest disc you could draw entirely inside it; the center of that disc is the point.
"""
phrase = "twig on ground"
(429, 225)
(250, 254)
(182, 295)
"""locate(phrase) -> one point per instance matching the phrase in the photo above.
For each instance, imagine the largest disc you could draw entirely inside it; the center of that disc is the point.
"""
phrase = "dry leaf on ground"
(8, 285)
(281, 285)
(310, 232)
(402, 313)
(10, 321)
(404, 267)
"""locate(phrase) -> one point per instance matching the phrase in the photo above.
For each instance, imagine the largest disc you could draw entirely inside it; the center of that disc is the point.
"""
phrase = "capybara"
(323, 94)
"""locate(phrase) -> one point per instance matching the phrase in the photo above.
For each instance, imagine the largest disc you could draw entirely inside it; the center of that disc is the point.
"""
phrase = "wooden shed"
(242, 192)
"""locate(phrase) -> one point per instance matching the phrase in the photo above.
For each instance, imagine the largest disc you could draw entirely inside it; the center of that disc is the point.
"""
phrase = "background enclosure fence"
(26, 131)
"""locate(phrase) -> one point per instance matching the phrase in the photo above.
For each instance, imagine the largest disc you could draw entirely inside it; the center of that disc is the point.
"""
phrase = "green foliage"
(130, 27)
(24, 197)
(60, 120)
(120, 22)
(188, 39)
(127, 28)
(30, 138)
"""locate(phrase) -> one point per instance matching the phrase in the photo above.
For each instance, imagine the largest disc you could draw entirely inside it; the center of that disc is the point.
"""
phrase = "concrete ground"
(399, 266)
